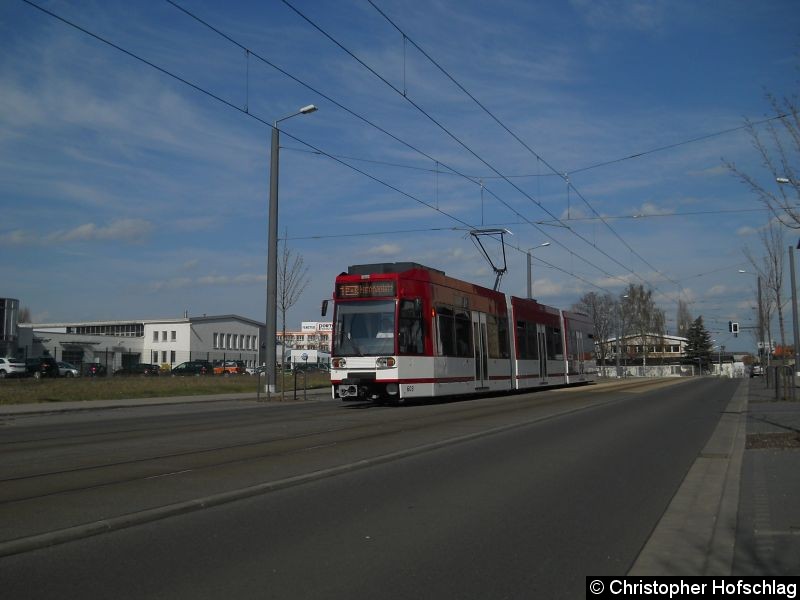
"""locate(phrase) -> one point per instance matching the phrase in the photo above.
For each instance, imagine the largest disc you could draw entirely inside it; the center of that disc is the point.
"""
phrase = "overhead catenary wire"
(264, 122)
(398, 139)
(565, 176)
(486, 163)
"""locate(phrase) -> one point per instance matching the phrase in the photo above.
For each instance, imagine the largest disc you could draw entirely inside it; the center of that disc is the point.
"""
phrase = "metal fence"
(112, 359)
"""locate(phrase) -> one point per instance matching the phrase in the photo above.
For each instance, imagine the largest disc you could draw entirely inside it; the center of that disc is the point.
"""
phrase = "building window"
(163, 356)
(163, 336)
(172, 356)
(155, 356)
(216, 340)
(228, 341)
(155, 336)
(173, 335)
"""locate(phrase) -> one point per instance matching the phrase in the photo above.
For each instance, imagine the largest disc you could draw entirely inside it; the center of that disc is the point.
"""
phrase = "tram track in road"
(170, 479)
(228, 453)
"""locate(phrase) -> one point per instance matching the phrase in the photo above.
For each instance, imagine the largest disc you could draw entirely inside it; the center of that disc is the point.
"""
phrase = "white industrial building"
(165, 342)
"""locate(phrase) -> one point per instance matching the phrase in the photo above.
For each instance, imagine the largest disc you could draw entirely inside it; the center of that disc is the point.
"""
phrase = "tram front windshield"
(364, 328)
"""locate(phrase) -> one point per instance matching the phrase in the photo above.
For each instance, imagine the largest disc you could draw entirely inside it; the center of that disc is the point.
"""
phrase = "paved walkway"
(768, 532)
(737, 511)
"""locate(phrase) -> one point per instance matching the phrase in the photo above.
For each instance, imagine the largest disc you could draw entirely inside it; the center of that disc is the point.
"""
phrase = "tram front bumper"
(366, 388)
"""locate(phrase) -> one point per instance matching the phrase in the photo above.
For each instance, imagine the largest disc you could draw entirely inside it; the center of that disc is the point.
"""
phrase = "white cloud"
(649, 209)
(121, 230)
(127, 230)
(385, 250)
(613, 15)
(746, 231)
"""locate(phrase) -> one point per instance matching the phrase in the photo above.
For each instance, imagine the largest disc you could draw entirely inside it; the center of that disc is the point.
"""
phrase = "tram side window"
(497, 332)
(446, 331)
(528, 341)
(522, 341)
(463, 331)
(502, 334)
(410, 328)
(554, 344)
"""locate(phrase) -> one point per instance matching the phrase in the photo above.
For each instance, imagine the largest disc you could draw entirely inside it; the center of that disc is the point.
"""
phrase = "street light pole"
(794, 316)
(530, 268)
(793, 182)
(272, 255)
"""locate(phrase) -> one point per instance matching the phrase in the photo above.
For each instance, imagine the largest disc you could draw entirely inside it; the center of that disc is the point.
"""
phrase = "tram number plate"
(409, 388)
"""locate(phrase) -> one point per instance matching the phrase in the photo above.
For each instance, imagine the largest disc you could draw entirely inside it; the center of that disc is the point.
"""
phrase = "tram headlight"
(385, 362)
(339, 363)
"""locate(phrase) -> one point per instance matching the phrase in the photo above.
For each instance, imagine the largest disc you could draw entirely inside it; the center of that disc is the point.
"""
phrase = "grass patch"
(28, 391)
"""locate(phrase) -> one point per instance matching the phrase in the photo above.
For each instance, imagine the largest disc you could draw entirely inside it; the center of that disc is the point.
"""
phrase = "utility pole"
(794, 316)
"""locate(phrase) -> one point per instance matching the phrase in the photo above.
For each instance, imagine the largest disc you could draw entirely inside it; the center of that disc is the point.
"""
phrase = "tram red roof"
(415, 280)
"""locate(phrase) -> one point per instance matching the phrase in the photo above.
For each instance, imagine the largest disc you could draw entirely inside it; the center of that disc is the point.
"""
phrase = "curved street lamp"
(530, 282)
(272, 254)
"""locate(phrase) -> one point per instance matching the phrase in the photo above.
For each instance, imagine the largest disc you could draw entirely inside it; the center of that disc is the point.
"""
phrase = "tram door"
(542, 337)
(578, 352)
(481, 350)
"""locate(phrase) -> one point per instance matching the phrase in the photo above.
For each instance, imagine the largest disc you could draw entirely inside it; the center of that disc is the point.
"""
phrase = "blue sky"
(125, 193)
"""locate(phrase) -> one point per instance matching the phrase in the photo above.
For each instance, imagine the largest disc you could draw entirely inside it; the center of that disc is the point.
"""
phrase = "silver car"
(67, 370)
(12, 367)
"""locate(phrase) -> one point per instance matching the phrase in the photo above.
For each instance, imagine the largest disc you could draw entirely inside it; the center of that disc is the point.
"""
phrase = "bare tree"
(778, 146)
(643, 318)
(683, 319)
(770, 269)
(292, 282)
(601, 309)
(24, 315)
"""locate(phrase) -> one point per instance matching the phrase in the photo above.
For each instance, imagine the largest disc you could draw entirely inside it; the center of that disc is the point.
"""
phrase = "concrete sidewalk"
(768, 531)
(737, 511)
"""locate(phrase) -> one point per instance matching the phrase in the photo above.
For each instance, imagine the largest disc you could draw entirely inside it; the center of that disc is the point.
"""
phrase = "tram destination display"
(366, 289)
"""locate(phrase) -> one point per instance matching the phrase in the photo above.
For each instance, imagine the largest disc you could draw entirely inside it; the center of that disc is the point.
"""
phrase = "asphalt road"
(511, 497)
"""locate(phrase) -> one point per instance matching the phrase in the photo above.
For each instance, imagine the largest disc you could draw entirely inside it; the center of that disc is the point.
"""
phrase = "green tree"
(699, 344)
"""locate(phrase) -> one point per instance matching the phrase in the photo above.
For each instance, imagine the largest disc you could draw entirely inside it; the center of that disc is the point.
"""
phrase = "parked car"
(65, 369)
(194, 367)
(139, 369)
(44, 366)
(94, 369)
(229, 367)
(12, 367)
(756, 371)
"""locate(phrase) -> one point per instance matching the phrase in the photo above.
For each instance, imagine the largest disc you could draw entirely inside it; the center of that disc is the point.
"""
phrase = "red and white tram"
(403, 330)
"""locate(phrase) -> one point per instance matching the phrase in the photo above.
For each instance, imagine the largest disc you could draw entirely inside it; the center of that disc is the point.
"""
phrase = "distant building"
(313, 335)
(158, 341)
(654, 347)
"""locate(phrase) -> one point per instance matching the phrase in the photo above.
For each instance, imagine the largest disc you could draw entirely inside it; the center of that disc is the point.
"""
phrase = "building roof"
(652, 336)
(204, 318)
